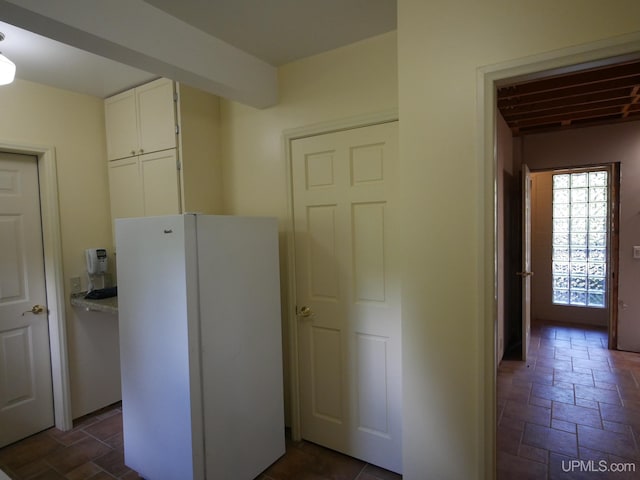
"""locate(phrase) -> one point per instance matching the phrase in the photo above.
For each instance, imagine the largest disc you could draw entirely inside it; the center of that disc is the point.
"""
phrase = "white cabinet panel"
(125, 188)
(147, 171)
(159, 175)
(141, 120)
(156, 116)
(122, 125)
(144, 186)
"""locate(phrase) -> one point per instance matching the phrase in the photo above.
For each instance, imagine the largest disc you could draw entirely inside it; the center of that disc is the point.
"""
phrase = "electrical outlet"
(76, 287)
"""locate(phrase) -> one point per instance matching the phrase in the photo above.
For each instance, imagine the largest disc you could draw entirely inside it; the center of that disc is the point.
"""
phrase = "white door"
(348, 291)
(526, 272)
(26, 401)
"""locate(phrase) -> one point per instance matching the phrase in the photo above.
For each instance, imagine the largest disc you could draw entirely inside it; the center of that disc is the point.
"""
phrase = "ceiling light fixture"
(7, 67)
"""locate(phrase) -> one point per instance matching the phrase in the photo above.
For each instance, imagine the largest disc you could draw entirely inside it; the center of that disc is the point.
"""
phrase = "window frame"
(607, 254)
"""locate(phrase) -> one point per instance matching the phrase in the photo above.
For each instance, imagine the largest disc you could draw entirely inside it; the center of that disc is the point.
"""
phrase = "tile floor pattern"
(93, 450)
(572, 411)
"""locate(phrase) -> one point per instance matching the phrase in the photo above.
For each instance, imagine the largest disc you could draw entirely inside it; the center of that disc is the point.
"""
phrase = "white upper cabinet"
(145, 185)
(153, 170)
(141, 120)
(121, 123)
(156, 116)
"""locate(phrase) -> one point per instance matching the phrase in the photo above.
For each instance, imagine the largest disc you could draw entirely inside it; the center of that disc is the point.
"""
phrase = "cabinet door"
(156, 116)
(125, 188)
(160, 183)
(121, 125)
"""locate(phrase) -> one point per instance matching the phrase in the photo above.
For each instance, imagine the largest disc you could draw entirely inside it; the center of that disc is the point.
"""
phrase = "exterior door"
(26, 400)
(526, 272)
(347, 289)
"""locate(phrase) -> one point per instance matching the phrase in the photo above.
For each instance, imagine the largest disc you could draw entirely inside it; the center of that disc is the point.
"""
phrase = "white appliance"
(200, 346)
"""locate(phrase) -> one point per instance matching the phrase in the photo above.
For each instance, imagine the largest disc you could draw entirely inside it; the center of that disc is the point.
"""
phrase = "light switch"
(636, 251)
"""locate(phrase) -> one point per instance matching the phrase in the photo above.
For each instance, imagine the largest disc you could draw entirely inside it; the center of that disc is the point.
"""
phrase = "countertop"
(107, 305)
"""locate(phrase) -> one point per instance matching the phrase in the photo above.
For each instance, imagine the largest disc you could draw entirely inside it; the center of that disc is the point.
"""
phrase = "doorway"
(491, 78)
(51, 235)
(575, 244)
(25, 387)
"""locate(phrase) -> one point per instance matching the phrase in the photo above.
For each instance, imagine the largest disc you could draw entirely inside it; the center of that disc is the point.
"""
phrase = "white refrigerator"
(200, 346)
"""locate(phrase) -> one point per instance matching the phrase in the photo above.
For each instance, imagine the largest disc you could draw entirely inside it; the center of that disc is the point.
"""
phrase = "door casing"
(488, 78)
(51, 236)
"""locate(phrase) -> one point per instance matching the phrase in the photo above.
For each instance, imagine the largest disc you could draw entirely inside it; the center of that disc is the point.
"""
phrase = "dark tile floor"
(94, 450)
(572, 411)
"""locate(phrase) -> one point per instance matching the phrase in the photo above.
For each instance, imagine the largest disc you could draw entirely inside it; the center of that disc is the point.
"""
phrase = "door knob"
(36, 310)
(305, 311)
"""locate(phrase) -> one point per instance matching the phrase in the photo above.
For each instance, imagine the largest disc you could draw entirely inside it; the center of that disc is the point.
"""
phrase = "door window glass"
(579, 238)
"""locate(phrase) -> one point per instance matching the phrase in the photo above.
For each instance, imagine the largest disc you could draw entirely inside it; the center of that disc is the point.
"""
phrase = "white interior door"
(526, 272)
(347, 289)
(26, 401)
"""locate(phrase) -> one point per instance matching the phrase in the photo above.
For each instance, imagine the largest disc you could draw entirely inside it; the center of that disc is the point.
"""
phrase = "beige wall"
(351, 81)
(355, 80)
(595, 146)
(441, 44)
(74, 125)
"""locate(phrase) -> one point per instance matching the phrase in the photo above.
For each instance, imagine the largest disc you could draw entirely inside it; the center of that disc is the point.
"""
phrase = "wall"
(74, 125)
(594, 146)
(351, 81)
(441, 44)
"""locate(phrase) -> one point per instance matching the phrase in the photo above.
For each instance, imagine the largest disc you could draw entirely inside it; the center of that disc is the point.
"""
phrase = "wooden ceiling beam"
(547, 119)
(623, 95)
(603, 95)
(505, 100)
(585, 77)
(634, 101)
(568, 111)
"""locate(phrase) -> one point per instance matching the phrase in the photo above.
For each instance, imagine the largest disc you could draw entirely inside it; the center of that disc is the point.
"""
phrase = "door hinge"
(178, 165)
(175, 97)
(177, 129)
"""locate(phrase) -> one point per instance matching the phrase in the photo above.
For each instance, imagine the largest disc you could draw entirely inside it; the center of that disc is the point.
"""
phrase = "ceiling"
(42, 60)
(274, 31)
(591, 96)
(280, 31)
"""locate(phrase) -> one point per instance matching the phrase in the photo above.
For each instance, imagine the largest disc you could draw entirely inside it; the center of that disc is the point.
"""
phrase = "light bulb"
(7, 70)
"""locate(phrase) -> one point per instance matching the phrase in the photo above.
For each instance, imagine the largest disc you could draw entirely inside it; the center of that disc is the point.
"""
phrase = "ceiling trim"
(137, 34)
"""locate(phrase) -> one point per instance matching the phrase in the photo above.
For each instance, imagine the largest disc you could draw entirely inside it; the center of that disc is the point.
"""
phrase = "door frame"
(488, 78)
(54, 279)
(613, 238)
(288, 136)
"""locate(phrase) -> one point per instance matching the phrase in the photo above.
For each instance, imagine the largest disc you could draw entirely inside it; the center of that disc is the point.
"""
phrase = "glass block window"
(579, 258)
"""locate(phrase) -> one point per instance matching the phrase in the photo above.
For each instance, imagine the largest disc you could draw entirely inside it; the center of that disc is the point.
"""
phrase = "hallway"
(572, 411)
